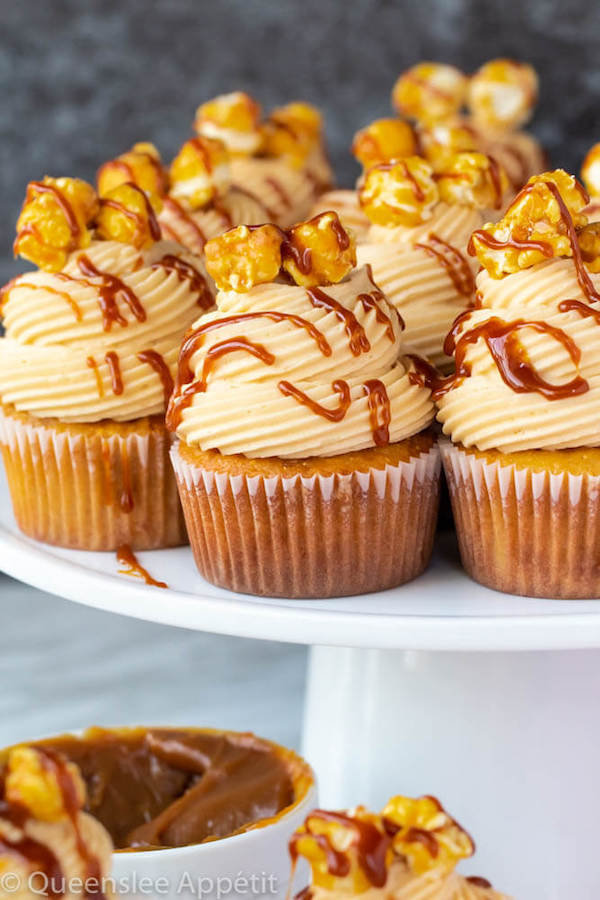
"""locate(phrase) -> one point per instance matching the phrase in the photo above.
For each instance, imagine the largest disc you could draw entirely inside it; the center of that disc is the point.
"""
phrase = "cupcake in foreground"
(523, 408)
(86, 365)
(377, 143)
(422, 221)
(304, 462)
(409, 851)
(196, 198)
(485, 111)
(48, 845)
(281, 161)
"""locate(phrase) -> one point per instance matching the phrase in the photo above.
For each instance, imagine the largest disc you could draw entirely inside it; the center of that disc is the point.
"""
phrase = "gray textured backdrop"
(83, 79)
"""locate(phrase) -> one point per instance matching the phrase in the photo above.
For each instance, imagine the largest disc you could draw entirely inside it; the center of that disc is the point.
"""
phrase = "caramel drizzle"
(112, 361)
(332, 415)
(371, 846)
(583, 309)
(127, 558)
(359, 342)
(135, 217)
(121, 166)
(50, 290)
(479, 882)
(425, 374)
(278, 188)
(185, 219)
(126, 502)
(371, 302)
(93, 365)
(511, 358)
(110, 289)
(185, 271)
(379, 411)
(452, 261)
(496, 177)
(154, 359)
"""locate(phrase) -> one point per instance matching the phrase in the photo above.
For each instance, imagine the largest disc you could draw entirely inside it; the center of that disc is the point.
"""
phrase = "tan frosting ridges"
(416, 282)
(287, 193)
(243, 410)
(482, 410)
(55, 325)
(192, 228)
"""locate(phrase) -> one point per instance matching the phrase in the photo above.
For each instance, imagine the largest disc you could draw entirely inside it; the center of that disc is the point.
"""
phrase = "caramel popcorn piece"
(383, 140)
(589, 244)
(502, 94)
(46, 787)
(535, 226)
(200, 171)
(430, 91)
(141, 165)
(319, 251)
(440, 141)
(54, 221)
(245, 256)
(126, 215)
(425, 834)
(590, 171)
(234, 115)
(399, 193)
(473, 179)
(293, 132)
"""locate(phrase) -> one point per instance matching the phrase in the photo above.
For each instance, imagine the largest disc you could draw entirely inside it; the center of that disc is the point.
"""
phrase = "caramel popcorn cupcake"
(380, 142)
(523, 408)
(48, 845)
(417, 244)
(280, 161)
(303, 459)
(86, 365)
(483, 112)
(196, 200)
(409, 851)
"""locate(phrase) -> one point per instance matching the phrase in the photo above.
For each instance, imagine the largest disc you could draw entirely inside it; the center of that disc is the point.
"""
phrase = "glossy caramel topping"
(154, 359)
(359, 342)
(185, 271)
(111, 290)
(453, 261)
(132, 566)
(173, 787)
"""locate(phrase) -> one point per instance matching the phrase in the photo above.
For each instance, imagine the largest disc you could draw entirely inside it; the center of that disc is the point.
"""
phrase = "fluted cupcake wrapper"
(523, 531)
(89, 487)
(316, 536)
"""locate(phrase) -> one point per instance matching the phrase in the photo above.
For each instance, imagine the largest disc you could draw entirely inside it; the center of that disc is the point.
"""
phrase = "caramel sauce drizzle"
(110, 289)
(332, 415)
(452, 261)
(278, 188)
(496, 181)
(114, 367)
(126, 496)
(359, 342)
(137, 219)
(194, 340)
(50, 290)
(425, 374)
(371, 302)
(154, 359)
(128, 559)
(185, 271)
(379, 411)
(583, 309)
(479, 882)
(232, 345)
(185, 219)
(93, 365)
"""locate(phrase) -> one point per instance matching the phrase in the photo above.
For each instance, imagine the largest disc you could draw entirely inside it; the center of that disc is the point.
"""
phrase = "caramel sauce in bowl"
(238, 797)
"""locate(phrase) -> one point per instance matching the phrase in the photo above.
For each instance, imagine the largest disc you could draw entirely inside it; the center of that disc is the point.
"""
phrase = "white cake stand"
(489, 701)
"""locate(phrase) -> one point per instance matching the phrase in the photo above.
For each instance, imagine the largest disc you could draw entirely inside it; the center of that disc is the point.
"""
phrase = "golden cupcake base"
(92, 487)
(528, 523)
(349, 524)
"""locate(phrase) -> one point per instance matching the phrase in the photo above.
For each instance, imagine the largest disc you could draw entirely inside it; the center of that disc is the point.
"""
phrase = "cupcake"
(303, 458)
(86, 364)
(49, 846)
(590, 175)
(523, 408)
(280, 161)
(417, 244)
(409, 851)
(196, 198)
(379, 142)
(483, 112)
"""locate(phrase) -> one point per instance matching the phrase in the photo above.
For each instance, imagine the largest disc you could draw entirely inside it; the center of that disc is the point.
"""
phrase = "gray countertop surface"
(65, 666)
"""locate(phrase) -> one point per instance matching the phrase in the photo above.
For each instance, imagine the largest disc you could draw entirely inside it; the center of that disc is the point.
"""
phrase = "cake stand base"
(509, 742)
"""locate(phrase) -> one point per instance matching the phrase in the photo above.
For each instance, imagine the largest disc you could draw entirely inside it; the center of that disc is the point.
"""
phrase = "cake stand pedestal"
(491, 702)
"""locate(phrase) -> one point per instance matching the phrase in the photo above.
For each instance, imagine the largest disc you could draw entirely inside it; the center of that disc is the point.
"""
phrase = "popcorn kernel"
(319, 251)
(426, 835)
(589, 243)
(245, 256)
(293, 131)
(200, 171)
(53, 221)
(473, 179)
(441, 140)
(590, 171)
(502, 94)
(383, 140)
(141, 165)
(234, 112)
(429, 91)
(30, 783)
(399, 193)
(127, 216)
